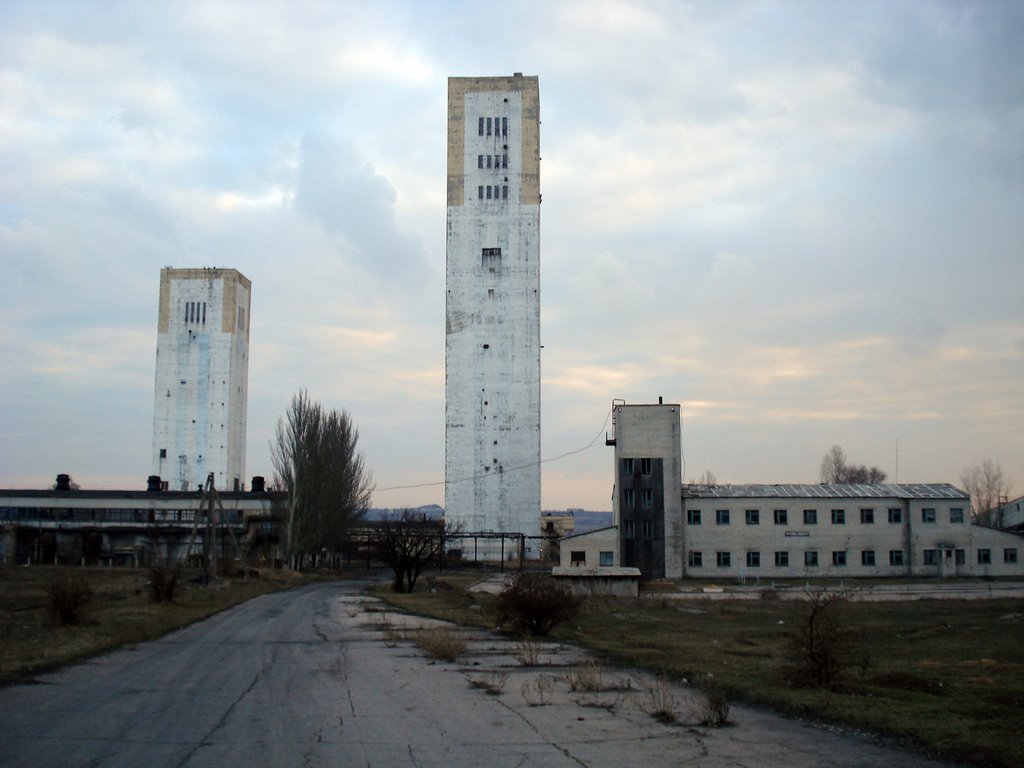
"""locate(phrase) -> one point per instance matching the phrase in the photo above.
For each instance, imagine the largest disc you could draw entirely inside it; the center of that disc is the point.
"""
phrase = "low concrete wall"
(615, 582)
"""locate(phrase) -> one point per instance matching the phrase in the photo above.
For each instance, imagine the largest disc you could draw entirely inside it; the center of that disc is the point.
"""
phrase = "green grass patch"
(945, 676)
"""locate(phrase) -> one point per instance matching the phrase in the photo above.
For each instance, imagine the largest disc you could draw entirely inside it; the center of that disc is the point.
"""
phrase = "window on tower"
(490, 259)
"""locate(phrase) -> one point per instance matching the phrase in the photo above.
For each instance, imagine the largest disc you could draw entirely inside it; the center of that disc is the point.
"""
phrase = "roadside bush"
(534, 603)
(441, 643)
(68, 596)
(822, 647)
(712, 705)
(163, 581)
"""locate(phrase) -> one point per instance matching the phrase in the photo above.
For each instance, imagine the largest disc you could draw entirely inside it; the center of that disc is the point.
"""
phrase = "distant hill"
(586, 520)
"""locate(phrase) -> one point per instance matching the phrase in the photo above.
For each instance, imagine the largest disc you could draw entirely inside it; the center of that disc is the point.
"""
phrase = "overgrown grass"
(946, 676)
(119, 613)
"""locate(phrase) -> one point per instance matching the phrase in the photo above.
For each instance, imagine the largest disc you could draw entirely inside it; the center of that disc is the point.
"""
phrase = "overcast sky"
(803, 221)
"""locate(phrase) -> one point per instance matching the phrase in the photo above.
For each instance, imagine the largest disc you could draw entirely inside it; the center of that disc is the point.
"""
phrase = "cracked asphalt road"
(322, 676)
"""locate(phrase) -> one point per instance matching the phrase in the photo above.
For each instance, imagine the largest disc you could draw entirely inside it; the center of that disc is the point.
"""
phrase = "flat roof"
(827, 491)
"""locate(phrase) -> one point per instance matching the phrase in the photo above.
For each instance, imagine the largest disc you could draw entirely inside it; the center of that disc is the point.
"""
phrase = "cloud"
(348, 198)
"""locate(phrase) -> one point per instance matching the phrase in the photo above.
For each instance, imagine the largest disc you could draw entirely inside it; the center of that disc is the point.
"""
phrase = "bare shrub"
(492, 682)
(658, 700)
(68, 596)
(822, 647)
(441, 643)
(538, 693)
(535, 603)
(527, 652)
(712, 704)
(163, 580)
(585, 677)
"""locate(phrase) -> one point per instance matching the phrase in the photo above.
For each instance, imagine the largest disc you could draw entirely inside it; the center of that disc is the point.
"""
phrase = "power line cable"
(559, 457)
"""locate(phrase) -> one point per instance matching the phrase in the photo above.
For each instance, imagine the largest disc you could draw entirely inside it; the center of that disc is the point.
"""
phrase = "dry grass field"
(120, 613)
(942, 676)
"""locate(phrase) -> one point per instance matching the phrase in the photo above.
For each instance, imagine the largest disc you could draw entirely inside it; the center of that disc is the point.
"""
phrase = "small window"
(1010, 555)
(724, 559)
(693, 517)
(629, 497)
(811, 558)
(645, 467)
(984, 556)
(627, 466)
(694, 559)
(490, 259)
(488, 126)
(753, 559)
(504, 126)
(480, 130)
(629, 529)
(480, 193)
(721, 517)
(647, 498)
(895, 557)
(163, 453)
(578, 557)
(839, 557)
(896, 516)
(479, 161)
(490, 189)
(606, 559)
(504, 192)
(504, 161)
(838, 517)
(781, 517)
(931, 557)
(810, 517)
(647, 529)
(867, 557)
(928, 515)
(782, 559)
(960, 557)
(753, 517)
(956, 515)
(867, 517)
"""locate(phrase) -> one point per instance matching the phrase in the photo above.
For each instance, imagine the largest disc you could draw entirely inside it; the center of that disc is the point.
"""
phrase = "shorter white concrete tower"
(202, 377)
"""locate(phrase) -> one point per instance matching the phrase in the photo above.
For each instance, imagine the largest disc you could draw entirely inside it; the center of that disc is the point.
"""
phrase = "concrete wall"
(201, 384)
(648, 432)
(612, 582)
(492, 348)
(584, 550)
(933, 537)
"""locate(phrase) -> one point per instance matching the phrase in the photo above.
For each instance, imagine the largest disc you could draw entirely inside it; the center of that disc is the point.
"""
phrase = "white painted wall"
(492, 351)
(201, 390)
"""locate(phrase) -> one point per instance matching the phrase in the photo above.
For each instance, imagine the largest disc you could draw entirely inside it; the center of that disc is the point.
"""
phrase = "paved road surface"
(315, 677)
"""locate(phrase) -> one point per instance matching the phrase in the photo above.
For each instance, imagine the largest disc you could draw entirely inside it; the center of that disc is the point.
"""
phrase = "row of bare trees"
(328, 487)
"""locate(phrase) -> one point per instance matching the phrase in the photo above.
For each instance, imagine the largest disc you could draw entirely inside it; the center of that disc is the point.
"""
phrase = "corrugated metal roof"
(827, 491)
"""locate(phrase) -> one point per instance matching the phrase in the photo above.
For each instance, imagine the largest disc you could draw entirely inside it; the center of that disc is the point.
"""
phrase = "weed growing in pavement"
(491, 682)
(440, 643)
(658, 700)
(585, 677)
(538, 693)
(527, 652)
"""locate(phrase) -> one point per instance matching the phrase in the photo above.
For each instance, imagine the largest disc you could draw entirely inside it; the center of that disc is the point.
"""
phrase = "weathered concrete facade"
(859, 531)
(778, 531)
(492, 347)
(648, 474)
(202, 377)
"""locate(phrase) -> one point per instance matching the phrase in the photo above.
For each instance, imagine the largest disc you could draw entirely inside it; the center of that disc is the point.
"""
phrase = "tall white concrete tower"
(202, 377)
(492, 348)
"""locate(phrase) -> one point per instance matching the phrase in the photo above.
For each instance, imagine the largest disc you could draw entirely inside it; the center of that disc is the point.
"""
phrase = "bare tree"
(835, 469)
(408, 542)
(988, 485)
(833, 465)
(708, 478)
(319, 467)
